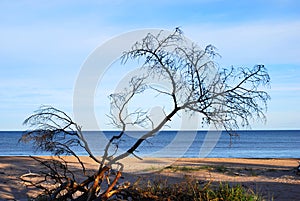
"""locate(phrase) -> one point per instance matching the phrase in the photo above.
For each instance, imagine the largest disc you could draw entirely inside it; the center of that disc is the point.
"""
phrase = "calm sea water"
(247, 144)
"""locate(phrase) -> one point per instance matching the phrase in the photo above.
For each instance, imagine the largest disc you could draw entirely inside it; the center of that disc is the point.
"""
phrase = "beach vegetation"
(189, 190)
(221, 168)
(188, 168)
(227, 98)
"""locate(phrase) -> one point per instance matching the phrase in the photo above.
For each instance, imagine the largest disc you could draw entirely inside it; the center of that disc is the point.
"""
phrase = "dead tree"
(225, 97)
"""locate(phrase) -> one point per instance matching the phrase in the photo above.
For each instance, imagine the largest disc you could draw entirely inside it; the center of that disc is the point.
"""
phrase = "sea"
(176, 144)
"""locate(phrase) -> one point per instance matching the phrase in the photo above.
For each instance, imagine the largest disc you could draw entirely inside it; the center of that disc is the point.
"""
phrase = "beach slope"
(274, 178)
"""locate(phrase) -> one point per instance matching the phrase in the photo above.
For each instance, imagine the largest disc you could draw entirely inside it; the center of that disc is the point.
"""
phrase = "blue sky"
(44, 44)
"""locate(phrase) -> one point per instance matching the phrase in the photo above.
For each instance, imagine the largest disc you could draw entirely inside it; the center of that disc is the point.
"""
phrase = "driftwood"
(60, 183)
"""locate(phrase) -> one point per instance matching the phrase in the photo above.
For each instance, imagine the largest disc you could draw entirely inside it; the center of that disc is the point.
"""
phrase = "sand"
(274, 178)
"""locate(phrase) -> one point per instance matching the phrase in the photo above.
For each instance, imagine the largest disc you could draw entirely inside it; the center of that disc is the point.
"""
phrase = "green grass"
(152, 168)
(188, 168)
(191, 190)
(219, 168)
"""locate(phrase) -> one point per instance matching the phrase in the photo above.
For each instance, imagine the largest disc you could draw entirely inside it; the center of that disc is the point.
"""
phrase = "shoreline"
(276, 177)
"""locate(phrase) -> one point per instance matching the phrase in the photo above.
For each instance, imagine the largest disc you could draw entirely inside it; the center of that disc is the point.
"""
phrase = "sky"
(44, 44)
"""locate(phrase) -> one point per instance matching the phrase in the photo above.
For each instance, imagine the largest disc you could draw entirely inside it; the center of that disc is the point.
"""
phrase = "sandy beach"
(273, 178)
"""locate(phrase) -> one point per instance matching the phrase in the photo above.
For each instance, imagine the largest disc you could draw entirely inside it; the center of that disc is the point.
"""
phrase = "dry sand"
(274, 178)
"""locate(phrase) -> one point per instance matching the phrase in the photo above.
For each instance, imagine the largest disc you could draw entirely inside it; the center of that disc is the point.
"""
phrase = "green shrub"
(190, 190)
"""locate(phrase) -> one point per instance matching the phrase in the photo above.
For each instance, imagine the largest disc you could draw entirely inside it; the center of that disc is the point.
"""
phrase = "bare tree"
(225, 97)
